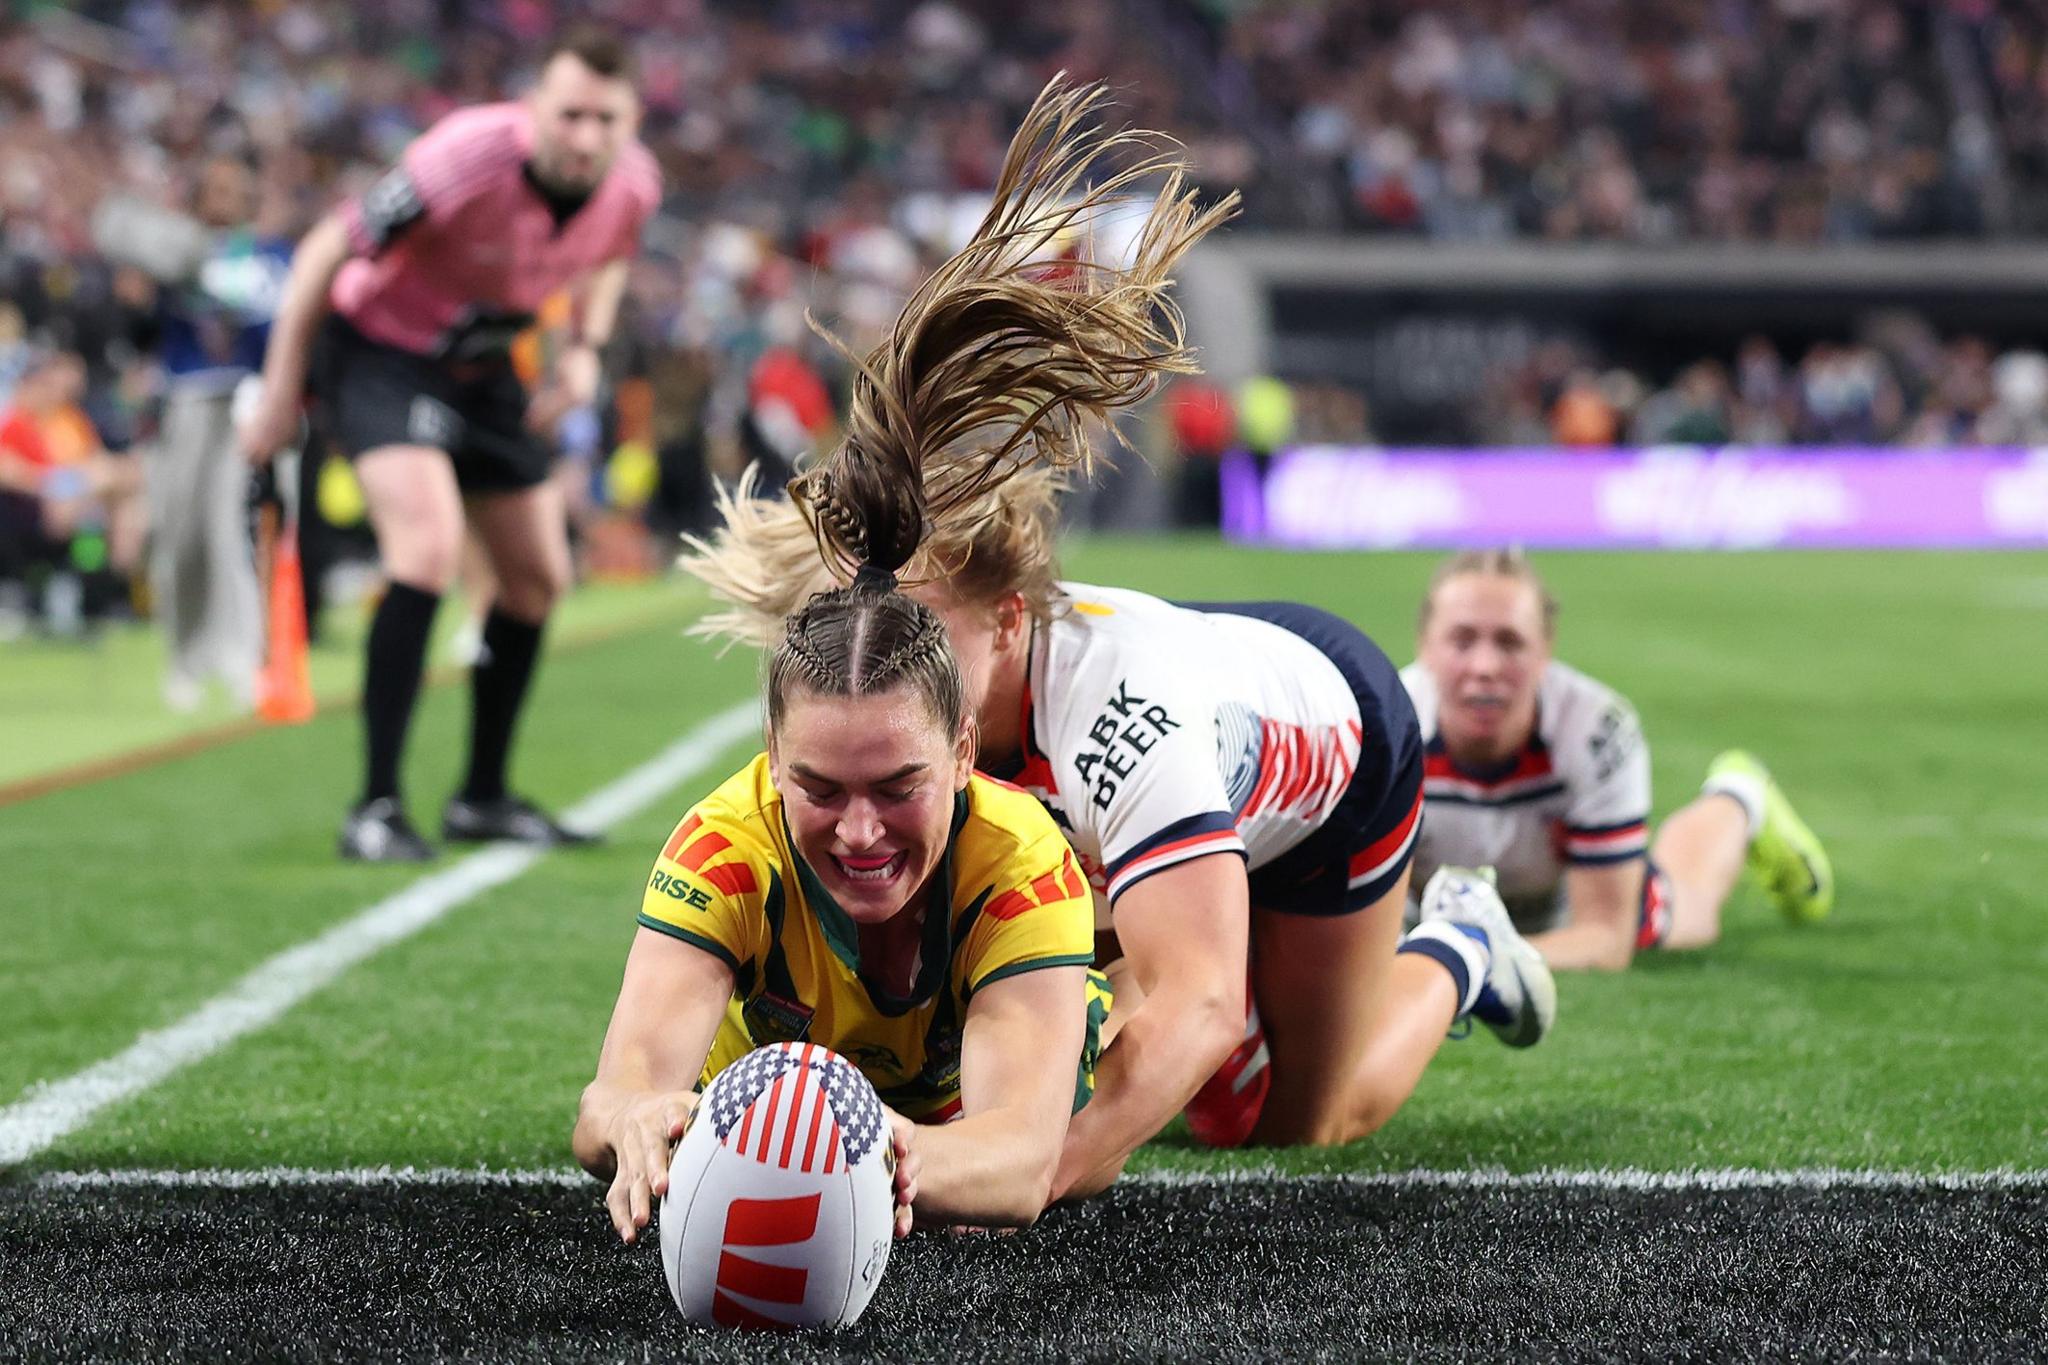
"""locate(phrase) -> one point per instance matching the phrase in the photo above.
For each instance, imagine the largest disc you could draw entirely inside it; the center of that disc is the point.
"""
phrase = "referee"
(398, 317)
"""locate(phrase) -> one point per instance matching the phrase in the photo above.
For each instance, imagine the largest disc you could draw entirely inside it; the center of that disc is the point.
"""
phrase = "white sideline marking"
(49, 1110)
(1633, 1181)
(1630, 1179)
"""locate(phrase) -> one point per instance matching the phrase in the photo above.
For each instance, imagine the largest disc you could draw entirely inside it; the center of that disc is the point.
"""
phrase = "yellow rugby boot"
(1786, 857)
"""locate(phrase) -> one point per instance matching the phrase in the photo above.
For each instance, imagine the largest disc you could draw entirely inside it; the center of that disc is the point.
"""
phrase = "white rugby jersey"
(1577, 793)
(1156, 734)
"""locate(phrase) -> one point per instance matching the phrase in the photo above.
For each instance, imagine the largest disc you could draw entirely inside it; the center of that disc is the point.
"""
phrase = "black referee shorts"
(370, 395)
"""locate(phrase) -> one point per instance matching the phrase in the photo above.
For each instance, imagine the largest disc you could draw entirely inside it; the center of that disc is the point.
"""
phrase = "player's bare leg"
(416, 510)
(525, 536)
(1350, 1024)
(1701, 850)
(479, 588)
(525, 539)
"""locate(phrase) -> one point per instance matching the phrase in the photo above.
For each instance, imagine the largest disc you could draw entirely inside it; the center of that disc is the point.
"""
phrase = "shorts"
(370, 395)
(1653, 920)
(1100, 998)
(1361, 851)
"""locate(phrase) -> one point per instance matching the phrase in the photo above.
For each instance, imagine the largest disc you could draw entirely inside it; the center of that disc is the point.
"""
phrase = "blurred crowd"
(1645, 121)
(1896, 383)
(820, 155)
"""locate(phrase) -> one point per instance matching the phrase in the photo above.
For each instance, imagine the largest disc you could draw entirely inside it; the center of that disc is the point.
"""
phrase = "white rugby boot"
(1519, 998)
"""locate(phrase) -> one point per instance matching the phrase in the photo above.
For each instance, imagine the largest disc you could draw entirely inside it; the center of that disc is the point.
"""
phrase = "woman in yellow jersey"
(859, 886)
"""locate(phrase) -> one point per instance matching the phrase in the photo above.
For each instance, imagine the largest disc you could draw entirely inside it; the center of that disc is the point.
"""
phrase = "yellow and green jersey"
(1007, 897)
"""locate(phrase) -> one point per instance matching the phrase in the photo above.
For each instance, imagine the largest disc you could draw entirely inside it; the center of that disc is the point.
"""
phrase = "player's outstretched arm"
(670, 1003)
(1604, 904)
(1184, 933)
(317, 261)
(994, 1166)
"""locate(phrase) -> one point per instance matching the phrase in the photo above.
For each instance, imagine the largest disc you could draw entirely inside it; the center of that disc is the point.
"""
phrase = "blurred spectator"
(1694, 411)
(1583, 414)
(2018, 415)
(1201, 425)
(214, 311)
(73, 509)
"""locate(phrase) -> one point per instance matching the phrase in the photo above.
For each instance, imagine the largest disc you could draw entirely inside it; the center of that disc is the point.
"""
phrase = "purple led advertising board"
(1726, 498)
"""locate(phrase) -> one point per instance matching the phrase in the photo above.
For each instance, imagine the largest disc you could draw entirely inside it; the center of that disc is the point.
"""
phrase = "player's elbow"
(1037, 1178)
(1032, 1195)
(587, 1140)
(329, 236)
(322, 250)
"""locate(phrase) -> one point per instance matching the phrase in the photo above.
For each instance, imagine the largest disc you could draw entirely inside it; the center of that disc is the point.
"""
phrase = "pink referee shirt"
(455, 240)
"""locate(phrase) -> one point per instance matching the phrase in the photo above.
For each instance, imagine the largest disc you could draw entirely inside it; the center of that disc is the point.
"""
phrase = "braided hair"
(864, 640)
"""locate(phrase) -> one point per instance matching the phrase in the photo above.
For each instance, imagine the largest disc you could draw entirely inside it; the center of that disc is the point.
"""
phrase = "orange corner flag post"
(284, 690)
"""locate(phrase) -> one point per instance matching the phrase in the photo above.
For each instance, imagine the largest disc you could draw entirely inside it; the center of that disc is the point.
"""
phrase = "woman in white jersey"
(1541, 773)
(1240, 781)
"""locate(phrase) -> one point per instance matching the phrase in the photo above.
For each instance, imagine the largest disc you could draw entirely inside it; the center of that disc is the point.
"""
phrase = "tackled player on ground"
(1541, 773)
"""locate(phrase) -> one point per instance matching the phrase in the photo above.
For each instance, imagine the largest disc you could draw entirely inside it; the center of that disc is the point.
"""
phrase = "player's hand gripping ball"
(781, 1196)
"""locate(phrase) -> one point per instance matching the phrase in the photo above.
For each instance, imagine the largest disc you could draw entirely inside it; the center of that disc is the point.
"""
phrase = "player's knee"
(1335, 1114)
(426, 562)
(531, 593)
(1324, 1125)
(423, 549)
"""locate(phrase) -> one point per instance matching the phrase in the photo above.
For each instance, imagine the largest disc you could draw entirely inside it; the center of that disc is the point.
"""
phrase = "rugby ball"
(781, 1196)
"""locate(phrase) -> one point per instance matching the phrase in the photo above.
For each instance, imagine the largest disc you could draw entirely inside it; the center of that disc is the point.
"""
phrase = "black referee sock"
(393, 662)
(497, 689)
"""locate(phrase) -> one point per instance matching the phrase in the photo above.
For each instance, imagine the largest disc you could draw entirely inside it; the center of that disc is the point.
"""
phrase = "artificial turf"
(1267, 1270)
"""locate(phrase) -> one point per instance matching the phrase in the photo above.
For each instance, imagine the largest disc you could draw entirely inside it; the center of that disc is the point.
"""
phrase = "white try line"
(50, 1110)
(1624, 1180)
(1627, 1179)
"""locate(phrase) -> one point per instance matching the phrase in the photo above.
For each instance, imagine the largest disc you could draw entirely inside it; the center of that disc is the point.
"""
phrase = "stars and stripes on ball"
(815, 1111)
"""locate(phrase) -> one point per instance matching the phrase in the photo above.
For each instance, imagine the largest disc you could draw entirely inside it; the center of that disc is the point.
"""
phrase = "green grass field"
(1900, 699)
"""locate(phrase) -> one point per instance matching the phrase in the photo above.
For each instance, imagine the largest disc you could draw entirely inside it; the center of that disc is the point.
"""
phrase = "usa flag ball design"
(781, 1196)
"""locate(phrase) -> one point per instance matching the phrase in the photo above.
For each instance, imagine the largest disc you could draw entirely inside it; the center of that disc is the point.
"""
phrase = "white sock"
(1467, 949)
(1746, 791)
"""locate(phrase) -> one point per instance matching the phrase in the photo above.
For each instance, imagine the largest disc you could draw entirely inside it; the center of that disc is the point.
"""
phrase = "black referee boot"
(378, 832)
(513, 818)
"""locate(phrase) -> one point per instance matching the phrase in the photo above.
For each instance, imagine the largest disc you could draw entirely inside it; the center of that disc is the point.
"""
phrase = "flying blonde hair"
(965, 420)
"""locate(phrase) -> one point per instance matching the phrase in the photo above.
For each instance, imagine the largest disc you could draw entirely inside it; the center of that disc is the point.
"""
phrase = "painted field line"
(1629, 1179)
(50, 1110)
(1623, 1180)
